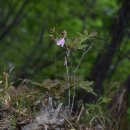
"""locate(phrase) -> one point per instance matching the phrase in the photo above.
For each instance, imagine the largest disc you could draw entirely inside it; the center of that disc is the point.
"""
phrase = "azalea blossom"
(61, 42)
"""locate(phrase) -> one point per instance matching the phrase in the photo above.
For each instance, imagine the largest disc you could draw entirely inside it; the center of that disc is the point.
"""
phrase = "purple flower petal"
(61, 42)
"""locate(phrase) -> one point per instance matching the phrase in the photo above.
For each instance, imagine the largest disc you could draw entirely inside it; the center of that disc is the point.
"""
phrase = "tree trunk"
(104, 59)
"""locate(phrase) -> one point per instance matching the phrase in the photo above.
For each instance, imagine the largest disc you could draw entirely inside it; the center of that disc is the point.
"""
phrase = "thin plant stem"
(67, 121)
(75, 76)
(68, 83)
(83, 56)
(68, 70)
(73, 93)
(69, 58)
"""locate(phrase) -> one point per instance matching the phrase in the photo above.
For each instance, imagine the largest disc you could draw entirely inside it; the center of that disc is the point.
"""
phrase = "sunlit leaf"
(87, 86)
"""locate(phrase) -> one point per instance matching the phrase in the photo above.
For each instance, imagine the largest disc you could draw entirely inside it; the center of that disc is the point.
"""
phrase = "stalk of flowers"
(61, 41)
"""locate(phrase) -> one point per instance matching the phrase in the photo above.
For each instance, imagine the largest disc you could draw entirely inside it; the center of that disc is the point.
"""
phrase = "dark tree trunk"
(104, 59)
(5, 31)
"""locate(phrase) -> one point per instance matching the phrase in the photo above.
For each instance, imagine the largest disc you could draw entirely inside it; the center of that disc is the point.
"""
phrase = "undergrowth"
(19, 105)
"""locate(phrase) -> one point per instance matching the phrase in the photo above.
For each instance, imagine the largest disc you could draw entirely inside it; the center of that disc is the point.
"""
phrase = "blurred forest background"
(25, 48)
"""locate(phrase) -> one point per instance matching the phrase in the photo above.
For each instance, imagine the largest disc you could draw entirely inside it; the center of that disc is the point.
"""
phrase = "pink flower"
(61, 42)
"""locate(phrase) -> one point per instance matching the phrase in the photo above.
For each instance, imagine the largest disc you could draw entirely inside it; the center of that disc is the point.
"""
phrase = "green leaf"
(92, 34)
(81, 36)
(82, 46)
(53, 29)
(88, 89)
(87, 86)
(68, 41)
(105, 100)
(85, 32)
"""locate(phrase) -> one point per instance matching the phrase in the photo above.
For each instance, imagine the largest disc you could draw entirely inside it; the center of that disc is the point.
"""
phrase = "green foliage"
(22, 103)
(87, 86)
(26, 49)
(19, 104)
(73, 16)
(96, 114)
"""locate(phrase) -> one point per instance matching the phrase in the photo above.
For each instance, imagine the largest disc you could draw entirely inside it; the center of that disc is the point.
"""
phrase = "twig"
(81, 112)
(17, 111)
(67, 120)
